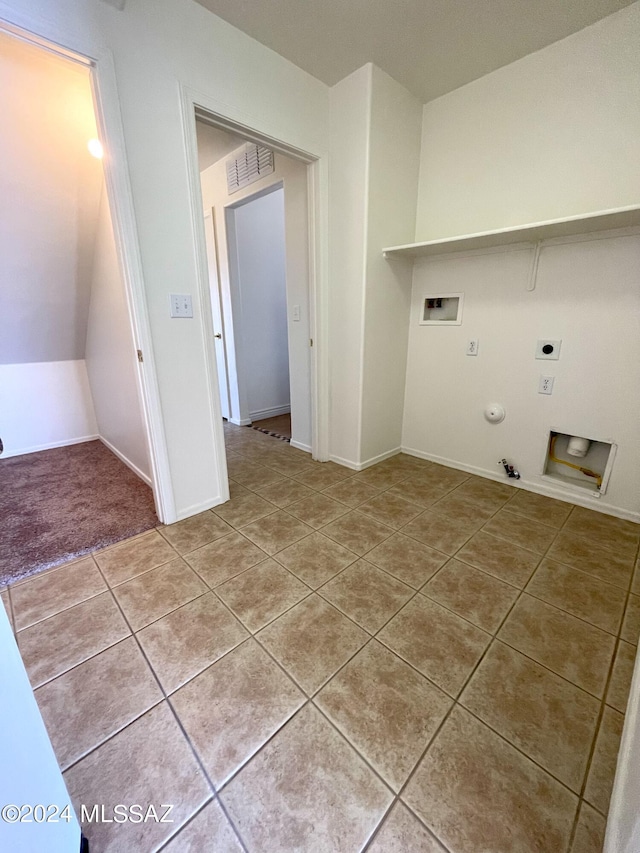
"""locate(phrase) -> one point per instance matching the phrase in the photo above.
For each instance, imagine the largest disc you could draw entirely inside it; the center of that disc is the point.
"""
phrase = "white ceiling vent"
(252, 163)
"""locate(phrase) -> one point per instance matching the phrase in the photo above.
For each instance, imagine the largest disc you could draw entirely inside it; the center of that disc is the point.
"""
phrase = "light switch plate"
(181, 305)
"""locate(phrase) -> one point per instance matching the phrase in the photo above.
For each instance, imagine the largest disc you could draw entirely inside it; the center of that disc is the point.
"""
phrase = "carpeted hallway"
(63, 503)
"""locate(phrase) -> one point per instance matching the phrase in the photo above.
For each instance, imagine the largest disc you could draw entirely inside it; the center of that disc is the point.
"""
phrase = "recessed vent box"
(579, 462)
(442, 309)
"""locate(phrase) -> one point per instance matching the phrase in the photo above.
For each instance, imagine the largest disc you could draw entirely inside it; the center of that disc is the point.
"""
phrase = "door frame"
(213, 264)
(225, 117)
(118, 188)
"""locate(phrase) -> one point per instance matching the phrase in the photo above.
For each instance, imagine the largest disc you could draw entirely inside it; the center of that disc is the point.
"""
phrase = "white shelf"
(624, 217)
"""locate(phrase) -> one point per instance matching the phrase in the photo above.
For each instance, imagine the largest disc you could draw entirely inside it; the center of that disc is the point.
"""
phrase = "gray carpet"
(63, 503)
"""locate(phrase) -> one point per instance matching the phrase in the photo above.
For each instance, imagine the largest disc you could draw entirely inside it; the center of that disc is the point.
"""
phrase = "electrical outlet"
(472, 347)
(545, 385)
(181, 305)
(295, 313)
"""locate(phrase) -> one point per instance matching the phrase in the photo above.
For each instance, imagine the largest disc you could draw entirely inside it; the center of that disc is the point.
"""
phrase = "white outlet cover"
(545, 386)
(546, 344)
(472, 346)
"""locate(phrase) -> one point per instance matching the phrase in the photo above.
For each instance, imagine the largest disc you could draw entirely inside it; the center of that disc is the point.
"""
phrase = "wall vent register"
(252, 163)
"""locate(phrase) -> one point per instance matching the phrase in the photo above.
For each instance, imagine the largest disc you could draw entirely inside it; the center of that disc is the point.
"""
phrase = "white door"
(216, 310)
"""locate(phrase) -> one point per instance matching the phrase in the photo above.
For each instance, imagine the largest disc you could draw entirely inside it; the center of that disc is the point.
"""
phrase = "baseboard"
(360, 466)
(195, 509)
(7, 454)
(273, 412)
(240, 421)
(300, 446)
(594, 503)
(127, 462)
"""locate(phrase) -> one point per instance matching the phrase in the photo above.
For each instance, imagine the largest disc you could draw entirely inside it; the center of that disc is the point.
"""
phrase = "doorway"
(258, 259)
(75, 464)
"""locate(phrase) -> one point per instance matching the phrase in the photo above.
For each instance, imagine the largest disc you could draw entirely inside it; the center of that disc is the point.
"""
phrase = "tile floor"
(403, 659)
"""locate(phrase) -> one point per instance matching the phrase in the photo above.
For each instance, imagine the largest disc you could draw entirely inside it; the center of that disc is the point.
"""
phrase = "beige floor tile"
(61, 642)
(603, 763)
(391, 510)
(208, 831)
(243, 509)
(580, 594)
(357, 532)
(7, 605)
(620, 683)
(540, 508)
(631, 625)
(284, 465)
(317, 510)
(609, 532)
(367, 595)
(436, 642)
(52, 592)
(189, 639)
(589, 837)
(588, 556)
(312, 641)
(386, 709)
(418, 490)
(132, 558)
(570, 647)
(522, 531)
(461, 507)
(501, 559)
(546, 717)
(489, 493)
(256, 476)
(351, 492)
(225, 558)
(306, 790)
(478, 793)
(379, 478)
(408, 560)
(94, 700)
(234, 706)
(320, 478)
(440, 532)
(316, 559)
(195, 532)
(401, 832)
(262, 593)
(147, 597)
(276, 532)
(472, 594)
(448, 478)
(285, 492)
(149, 762)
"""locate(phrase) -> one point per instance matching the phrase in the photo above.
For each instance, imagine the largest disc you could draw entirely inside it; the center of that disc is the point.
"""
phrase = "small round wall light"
(95, 148)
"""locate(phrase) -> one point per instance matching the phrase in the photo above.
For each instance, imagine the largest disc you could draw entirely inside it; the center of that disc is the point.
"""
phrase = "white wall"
(259, 270)
(394, 158)
(111, 354)
(293, 176)
(555, 134)
(49, 195)
(45, 404)
(588, 296)
(350, 121)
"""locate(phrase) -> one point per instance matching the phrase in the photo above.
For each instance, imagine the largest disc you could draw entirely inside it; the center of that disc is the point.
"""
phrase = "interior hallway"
(407, 658)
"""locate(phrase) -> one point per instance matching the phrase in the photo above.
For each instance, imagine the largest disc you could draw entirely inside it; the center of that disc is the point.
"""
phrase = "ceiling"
(430, 46)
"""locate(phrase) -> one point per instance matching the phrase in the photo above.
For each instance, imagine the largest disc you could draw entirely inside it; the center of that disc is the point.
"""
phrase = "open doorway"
(75, 466)
(257, 237)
